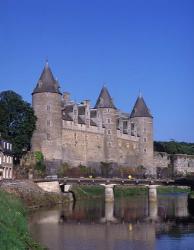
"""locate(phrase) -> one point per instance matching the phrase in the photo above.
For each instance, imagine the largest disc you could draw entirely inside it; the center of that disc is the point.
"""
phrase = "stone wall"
(47, 136)
(128, 153)
(161, 159)
(82, 147)
(51, 186)
(144, 126)
(178, 164)
(183, 164)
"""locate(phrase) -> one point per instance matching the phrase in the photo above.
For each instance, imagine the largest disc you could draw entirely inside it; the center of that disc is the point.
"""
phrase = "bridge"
(99, 180)
(65, 184)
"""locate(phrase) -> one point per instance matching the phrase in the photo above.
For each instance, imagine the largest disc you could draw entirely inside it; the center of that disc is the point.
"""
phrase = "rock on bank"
(32, 195)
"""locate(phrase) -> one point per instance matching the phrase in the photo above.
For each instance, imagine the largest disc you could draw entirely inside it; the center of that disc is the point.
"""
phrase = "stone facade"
(6, 160)
(78, 133)
(175, 165)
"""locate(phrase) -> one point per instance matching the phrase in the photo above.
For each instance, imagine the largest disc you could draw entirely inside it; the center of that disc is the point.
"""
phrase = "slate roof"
(81, 110)
(92, 123)
(47, 82)
(140, 109)
(68, 108)
(67, 117)
(93, 113)
(80, 120)
(104, 100)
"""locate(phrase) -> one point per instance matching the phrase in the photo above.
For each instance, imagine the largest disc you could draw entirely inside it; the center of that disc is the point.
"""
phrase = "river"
(127, 224)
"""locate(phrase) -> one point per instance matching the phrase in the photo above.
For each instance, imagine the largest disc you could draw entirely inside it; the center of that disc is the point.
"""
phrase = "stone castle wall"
(85, 145)
(183, 164)
(179, 164)
(47, 136)
(82, 145)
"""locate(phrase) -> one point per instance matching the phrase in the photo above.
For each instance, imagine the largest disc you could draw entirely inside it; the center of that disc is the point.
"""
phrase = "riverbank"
(17, 198)
(13, 224)
(31, 195)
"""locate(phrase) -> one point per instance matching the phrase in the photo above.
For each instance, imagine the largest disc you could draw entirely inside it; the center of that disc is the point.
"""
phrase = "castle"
(77, 133)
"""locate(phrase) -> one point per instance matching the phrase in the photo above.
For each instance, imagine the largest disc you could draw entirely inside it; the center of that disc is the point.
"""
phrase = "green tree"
(17, 122)
(174, 147)
(40, 167)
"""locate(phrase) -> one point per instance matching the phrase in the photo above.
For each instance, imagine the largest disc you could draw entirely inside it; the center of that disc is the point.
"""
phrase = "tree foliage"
(17, 121)
(174, 147)
(39, 166)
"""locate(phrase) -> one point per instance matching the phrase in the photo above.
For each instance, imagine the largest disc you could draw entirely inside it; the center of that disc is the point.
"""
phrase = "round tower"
(142, 120)
(46, 102)
(108, 113)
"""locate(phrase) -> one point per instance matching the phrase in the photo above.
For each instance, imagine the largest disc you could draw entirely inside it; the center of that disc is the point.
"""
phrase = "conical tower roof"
(104, 100)
(140, 109)
(47, 82)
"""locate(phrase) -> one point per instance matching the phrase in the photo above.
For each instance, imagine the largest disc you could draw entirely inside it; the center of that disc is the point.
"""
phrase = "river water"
(127, 224)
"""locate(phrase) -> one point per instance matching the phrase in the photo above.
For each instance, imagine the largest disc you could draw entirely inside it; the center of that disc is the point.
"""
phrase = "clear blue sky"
(129, 45)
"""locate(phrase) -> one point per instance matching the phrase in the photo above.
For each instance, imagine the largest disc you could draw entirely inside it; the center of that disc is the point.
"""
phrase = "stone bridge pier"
(152, 202)
(152, 193)
(109, 193)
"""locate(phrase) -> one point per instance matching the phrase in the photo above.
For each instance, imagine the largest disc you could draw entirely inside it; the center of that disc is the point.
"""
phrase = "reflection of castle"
(78, 133)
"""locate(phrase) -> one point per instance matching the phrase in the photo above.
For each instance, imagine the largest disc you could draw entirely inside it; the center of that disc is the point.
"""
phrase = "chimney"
(66, 97)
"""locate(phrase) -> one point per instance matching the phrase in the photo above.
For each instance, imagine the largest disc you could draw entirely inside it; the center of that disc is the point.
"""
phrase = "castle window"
(144, 139)
(48, 107)
(145, 150)
(132, 126)
(109, 132)
(48, 136)
(48, 123)
(108, 110)
(144, 130)
(108, 120)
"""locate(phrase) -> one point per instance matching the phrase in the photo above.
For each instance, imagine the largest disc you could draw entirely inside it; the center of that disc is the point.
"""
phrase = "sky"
(131, 46)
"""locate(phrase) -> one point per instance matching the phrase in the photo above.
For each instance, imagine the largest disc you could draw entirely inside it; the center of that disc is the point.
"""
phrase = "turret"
(46, 102)
(108, 112)
(142, 122)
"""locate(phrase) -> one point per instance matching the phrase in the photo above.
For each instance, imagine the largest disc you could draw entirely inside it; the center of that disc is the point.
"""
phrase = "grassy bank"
(88, 191)
(124, 191)
(92, 191)
(172, 189)
(13, 224)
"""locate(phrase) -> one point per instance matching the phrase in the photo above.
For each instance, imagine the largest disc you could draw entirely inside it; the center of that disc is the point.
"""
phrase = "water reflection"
(132, 223)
